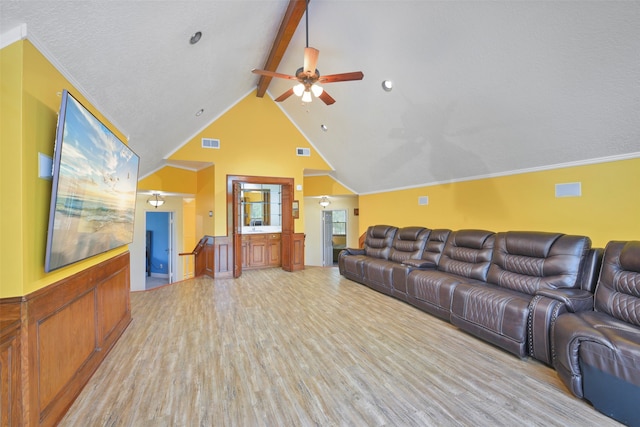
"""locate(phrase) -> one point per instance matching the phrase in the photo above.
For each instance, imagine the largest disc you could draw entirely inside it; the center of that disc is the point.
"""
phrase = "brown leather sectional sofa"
(526, 292)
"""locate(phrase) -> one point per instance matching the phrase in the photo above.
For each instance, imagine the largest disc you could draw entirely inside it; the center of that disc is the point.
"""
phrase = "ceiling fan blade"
(273, 74)
(326, 98)
(343, 77)
(284, 95)
(310, 60)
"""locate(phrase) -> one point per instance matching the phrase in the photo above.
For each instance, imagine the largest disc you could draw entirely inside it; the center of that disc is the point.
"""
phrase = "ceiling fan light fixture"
(316, 89)
(298, 89)
(306, 96)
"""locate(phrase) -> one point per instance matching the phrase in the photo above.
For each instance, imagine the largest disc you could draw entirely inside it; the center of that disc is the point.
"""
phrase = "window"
(340, 223)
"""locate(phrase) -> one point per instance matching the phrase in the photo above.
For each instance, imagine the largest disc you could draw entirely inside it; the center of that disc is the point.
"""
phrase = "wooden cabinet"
(261, 250)
(274, 248)
(257, 251)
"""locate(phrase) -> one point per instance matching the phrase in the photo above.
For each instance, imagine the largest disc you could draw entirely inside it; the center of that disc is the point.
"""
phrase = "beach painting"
(94, 190)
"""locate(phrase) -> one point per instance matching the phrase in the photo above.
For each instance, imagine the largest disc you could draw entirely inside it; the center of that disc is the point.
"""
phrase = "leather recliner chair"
(377, 244)
(597, 353)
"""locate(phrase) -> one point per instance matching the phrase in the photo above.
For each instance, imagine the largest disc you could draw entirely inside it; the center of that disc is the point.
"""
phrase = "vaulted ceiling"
(481, 88)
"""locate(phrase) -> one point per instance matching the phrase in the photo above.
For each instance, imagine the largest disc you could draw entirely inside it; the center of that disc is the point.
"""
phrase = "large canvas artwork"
(94, 188)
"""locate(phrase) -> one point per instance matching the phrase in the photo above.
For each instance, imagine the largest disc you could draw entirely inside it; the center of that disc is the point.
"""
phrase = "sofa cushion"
(494, 314)
(618, 291)
(377, 242)
(432, 290)
(434, 247)
(600, 350)
(351, 266)
(408, 243)
(598, 340)
(467, 253)
(429, 260)
(465, 258)
(531, 261)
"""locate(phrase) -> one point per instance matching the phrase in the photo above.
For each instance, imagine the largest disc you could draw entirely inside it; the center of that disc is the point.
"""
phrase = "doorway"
(234, 215)
(159, 249)
(334, 235)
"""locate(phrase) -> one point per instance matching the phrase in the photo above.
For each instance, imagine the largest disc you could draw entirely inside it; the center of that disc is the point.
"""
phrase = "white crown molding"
(586, 162)
(13, 35)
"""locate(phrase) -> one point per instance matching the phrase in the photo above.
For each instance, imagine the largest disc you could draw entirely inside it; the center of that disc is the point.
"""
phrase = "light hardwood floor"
(310, 348)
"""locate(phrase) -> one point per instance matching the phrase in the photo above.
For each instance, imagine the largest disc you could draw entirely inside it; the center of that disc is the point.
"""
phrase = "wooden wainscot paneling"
(10, 364)
(70, 327)
(298, 252)
(210, 257)
(223, 252)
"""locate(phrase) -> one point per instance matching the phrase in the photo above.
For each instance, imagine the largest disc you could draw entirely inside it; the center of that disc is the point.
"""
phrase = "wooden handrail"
(201, 244)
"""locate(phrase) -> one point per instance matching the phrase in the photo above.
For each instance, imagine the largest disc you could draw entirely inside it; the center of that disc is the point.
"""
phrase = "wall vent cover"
(569, 189)
(210, 143)
(303, 152)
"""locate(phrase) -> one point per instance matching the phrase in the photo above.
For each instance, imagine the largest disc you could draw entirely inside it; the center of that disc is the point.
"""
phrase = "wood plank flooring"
(310, 349)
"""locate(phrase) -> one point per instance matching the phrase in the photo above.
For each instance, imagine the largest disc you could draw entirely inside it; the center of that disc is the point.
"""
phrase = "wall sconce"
(155, 200)
(324, 201)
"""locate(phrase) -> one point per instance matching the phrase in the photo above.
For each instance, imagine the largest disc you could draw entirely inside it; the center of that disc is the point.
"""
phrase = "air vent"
(303, 152)
(210, 143)
(569, 189)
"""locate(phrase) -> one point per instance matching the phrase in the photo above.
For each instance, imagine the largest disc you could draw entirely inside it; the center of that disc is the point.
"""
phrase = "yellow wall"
(31, 89)
(324, 185)
(189, 239)
(609, 208)
(170, 179)
(256, 139)
(205, 202)
(11, 244)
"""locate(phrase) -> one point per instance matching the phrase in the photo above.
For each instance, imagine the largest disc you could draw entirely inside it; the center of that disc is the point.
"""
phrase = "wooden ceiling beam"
(290, 22)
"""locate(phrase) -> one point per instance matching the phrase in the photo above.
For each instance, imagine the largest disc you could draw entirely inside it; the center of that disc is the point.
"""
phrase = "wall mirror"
(261, 205)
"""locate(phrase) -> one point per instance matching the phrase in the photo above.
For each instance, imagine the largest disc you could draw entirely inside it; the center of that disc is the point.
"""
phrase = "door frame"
(327, 242)
(234, 227)
(171, 239)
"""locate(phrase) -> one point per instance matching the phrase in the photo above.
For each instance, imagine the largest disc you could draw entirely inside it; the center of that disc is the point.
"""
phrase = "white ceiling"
(481, 87)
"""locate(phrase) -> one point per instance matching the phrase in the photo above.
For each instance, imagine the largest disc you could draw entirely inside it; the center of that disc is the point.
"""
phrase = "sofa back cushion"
(435, 246)
(408, 243)
(467, 253)
(377, 242)
(529, 261)
(618, 291)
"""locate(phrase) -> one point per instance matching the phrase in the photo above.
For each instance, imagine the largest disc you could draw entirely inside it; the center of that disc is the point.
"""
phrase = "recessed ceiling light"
(195, 37)
(323, 127)
(199, 112)
(387, 85)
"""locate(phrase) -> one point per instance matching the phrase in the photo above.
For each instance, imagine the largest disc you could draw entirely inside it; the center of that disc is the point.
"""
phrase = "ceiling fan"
(308, 76)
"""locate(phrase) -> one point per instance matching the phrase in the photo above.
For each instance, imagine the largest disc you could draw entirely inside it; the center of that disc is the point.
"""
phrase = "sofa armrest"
(354, 251)
(575, 300)
(419, 263)
(545, 308)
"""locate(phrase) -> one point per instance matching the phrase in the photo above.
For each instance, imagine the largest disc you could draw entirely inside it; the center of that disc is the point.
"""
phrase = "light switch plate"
(45, 166)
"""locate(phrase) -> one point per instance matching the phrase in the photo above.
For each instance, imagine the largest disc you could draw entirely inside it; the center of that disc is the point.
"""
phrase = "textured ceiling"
(481, 87)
